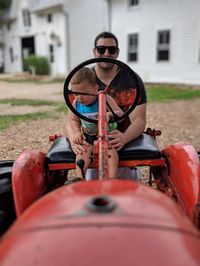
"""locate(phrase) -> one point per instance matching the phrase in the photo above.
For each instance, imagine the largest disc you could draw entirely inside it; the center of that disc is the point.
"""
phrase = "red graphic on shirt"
(123, 97)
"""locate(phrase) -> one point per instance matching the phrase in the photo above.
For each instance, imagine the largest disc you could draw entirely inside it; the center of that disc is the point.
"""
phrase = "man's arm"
(135, 129)
(138, 123)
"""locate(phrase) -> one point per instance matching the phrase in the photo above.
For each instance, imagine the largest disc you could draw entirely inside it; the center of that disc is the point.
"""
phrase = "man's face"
(106, 47)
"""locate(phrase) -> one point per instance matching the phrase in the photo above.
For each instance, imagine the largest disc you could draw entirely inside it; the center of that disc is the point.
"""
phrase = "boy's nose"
(80, 97)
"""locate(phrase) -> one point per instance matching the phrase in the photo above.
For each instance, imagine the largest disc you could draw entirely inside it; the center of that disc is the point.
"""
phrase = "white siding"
(181, 17)
(76, 23)
(86, 19)
(43, 32)
(74, 27)
(12, 41)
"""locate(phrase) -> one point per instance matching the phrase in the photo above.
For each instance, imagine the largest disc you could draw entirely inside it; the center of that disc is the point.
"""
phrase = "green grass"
(155, 93)
(61, 108)
(162, 93)
(36, 80)
(8, 120)
(18, 102)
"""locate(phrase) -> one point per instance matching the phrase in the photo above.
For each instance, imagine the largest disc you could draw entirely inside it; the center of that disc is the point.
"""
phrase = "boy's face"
(86, 87)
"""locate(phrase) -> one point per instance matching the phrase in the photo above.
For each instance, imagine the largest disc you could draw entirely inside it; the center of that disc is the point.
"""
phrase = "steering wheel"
(122, 66)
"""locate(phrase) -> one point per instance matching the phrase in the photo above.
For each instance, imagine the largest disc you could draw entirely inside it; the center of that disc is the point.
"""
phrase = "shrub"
(39, 63)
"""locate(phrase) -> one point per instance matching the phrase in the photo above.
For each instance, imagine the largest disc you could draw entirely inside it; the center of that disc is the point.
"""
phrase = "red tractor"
(103, 221)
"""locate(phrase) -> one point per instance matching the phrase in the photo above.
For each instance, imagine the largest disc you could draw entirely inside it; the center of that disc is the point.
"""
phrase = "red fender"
(28, 179)
(101, 223)
(184, 173)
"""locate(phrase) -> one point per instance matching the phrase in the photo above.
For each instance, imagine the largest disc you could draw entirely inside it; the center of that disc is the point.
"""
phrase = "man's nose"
(106, 53)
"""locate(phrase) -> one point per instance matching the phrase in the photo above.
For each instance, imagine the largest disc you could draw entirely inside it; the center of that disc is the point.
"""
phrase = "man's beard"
(105, 66)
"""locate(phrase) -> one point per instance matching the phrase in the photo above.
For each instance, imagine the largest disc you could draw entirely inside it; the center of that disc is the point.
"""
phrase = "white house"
(159, 39)
(61, 30)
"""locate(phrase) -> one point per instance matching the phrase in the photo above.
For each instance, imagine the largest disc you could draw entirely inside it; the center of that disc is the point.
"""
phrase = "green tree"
(4, 4)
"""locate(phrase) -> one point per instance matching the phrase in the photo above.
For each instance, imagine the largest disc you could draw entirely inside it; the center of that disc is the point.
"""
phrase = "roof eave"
(47, 9)
(6, 17)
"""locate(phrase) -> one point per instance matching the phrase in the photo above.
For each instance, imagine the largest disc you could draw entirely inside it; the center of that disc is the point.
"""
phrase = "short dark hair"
(105, 35)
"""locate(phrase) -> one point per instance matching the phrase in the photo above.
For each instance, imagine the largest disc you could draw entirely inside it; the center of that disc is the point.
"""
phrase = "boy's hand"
(78, 138)
(79, 148)
(109, 116)
(78, 143)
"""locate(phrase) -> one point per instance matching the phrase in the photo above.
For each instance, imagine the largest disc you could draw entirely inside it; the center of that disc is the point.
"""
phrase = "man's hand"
(118, 139)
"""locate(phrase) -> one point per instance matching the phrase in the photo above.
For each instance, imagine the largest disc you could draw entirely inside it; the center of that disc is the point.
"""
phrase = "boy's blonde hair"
(84, 73)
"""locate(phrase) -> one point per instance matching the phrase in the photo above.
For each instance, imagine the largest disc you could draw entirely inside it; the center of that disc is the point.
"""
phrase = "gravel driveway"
(178, 121)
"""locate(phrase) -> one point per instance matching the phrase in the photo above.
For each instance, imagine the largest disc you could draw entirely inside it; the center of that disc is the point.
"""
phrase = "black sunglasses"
(111, 49)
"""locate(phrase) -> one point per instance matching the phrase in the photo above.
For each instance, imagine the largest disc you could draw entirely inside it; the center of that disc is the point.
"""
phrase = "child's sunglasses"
(111, 49)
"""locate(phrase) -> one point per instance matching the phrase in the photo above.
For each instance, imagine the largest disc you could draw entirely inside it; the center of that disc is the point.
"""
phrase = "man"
(106, 45)
(105, 73)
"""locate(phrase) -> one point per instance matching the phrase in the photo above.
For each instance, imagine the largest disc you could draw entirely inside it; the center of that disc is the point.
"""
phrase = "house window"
(133, 2)
(49, 18)
(163, 45)
(51, 53)
(133, 47)
(26, 17)
(11, 55)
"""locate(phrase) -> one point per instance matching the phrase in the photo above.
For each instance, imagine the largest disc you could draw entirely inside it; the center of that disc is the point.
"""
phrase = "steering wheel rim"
(122, 65)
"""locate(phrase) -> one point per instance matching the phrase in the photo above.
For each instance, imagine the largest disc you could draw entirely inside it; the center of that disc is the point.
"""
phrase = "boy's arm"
(118, 111)
(74, 121)
(69, 130)
(73, 125)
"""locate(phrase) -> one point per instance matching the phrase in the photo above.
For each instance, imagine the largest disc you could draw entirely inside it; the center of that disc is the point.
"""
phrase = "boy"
(85, 81)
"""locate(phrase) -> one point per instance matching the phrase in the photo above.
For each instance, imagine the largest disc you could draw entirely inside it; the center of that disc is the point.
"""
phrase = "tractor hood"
(109, 222)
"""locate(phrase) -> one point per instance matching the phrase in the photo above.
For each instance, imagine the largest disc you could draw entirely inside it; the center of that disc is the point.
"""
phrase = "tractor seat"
(142, 148)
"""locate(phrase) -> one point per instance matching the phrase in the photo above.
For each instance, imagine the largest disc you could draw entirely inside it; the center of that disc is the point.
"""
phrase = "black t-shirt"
(123, 89)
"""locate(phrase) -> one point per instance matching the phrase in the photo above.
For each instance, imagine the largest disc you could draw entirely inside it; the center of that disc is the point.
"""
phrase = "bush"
(39, 63)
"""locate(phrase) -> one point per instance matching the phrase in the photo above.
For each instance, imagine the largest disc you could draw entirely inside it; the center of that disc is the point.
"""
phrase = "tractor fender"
(184, 174)
(28, 179)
